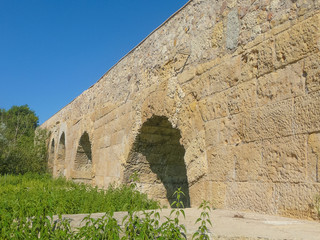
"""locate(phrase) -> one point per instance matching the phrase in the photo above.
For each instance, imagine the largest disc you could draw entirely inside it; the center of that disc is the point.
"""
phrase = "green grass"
(32, 194)
(38, 196)
(28, 203)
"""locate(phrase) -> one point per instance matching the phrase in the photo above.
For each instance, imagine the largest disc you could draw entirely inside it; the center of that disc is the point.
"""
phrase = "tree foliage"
(22, 145)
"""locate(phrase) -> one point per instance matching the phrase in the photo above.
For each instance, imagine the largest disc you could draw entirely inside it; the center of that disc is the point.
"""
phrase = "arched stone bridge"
(223, 100)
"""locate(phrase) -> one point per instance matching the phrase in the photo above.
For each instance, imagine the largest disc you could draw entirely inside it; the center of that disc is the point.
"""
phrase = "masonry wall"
(238, 80)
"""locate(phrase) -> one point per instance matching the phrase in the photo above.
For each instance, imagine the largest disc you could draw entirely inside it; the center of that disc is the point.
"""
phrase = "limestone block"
(313, 169)
(107, 108)
(307, 113)
(248, 162)
(104, 142)
(312, 72)
(298, 41)
(186, 75)
(190, 123)
(270, 121)
(250, 196)
(221, 163)
(265, 56)
(217, 193)
(211, 109)
(277, 29)
(225, 131)
(241, 97)
(113, 168)
(81, 175)
(232, 129)
(282, 84)
(198, 192)
(284, 159)
(231, 101)
(101, 164)
(258, 60)
(156, 191)
(295, 199)
(212, 133)
(196, 161)
(220, 77)
(117, 137)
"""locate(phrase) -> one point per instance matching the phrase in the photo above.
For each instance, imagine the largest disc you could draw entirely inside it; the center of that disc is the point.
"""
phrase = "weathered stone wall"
(223, 98)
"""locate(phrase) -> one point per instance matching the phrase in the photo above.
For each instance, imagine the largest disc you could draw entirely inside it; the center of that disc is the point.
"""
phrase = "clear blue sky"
(53, 50)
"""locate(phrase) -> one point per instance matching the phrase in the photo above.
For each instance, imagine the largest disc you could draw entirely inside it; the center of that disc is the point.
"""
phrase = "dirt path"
(246, 226)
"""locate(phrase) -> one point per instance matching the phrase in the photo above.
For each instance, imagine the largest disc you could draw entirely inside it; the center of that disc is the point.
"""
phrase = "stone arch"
(51, 156)
(158, 157)
(61, 156)
(83, 160)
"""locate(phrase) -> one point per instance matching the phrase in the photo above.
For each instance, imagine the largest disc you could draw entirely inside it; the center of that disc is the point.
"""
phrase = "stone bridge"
(222, 100)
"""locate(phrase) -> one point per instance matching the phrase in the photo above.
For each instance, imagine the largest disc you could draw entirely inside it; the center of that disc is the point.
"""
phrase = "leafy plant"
(37, 197)
(105, 227)
(204, 219)
(171, 228)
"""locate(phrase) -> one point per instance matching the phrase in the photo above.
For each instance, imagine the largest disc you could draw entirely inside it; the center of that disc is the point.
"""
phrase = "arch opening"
(83, 161)
(61, 155)
(158, 157)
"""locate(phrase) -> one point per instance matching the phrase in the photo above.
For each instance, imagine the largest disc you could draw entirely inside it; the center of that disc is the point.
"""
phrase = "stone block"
(223, 103)
(101, 163)
(221, 164)
(295, 199)
(156, 191)
(212, 133)
(270, 121)
(211, 109)
(250, 196)
(313, 169)
(221, 76)
(312, 72)
(257, 60)
(282, 84)
(217, 193)
(284, 159)
(198, 192)
(241, 97)
(298, 42)
(117, 137)
(223, 131)
(231, 101)
(307, 113)
(186, 75)
(248, 162)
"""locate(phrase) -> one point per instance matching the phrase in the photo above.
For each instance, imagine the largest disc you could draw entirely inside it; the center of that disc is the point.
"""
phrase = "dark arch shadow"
(83, 160)
(157, 148)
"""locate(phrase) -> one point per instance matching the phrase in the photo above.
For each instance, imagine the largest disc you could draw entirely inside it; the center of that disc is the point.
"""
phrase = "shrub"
(22, 148)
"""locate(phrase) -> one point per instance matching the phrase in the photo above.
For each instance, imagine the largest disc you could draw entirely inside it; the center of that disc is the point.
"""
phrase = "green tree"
(22, 146)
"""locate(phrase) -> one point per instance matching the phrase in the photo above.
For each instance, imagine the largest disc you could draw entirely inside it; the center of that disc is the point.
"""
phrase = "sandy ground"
(229, 224)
